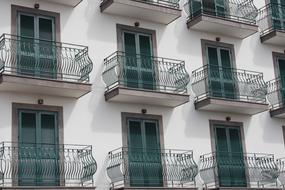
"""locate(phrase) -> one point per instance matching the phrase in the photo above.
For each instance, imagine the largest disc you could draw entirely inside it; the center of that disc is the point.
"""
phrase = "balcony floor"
(22, 84)
(141, 10)
(274, 38)
(230, 106)
(220, 26)
(136, 96)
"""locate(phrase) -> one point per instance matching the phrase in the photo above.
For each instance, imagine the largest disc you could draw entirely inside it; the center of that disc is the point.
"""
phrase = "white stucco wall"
(91, 120)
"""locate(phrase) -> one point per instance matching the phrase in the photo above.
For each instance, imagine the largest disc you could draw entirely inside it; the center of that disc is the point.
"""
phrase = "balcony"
(276, 97)
(229, 90)
(29, 65)
(160, 169)
(72, 3)
(50, 165)
(224, 170)
(145, 80)
(232, 18)
(281, 170)
(159, 11)
(271, 23)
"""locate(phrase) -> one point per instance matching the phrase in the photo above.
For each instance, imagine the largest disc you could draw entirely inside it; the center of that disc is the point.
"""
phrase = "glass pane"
(27, 26)
(281, 63)
(209, 7)
(145, 45)
(130, 44)
(45, 29)
(27, 149)
(48, 128)
(153, 167)
(237, 169)
(136, 158)
(28, 127)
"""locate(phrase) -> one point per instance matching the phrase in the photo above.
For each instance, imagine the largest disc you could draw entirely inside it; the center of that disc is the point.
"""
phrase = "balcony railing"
(145, 73)
(30, 57)
(271, 18)
(138, 167)
(238, 169)
(235, 10)
(276, 93)
(227, 83)
(281, 169)
(165, 3)
(46, 165)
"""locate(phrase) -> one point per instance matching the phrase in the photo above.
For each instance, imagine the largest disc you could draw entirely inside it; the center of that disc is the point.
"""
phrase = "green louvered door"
(145, 168)
(278, 14)
(139, 71)
(214, 7)
(38, 148)
(229, 155)
(35, 48)
(221, 79)
(281, 64)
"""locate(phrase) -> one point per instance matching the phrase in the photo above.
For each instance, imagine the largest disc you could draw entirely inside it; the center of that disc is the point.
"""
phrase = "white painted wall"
(91, 120)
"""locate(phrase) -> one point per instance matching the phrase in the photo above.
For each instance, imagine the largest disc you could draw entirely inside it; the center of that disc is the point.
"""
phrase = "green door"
(281, 65)
(138, 71)
(214, 7)
(229, 156)
(145, 168)
(278, 14)
(38, 148)
(220, 74)
(36, 47)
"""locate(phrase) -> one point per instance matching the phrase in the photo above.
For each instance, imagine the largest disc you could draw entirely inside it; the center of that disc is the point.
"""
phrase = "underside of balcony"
(274, 37)
(22, 84)
(72, 3)
(162, 12)
(136, 96)
(230, 106)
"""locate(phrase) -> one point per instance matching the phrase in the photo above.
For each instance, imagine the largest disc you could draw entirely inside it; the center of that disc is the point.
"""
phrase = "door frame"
(230, 124)
(35, 107)
(126, 115)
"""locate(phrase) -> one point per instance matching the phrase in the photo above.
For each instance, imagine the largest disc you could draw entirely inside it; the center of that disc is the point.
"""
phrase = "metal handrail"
(165, 3)
(255, 169)
(145, 72)
(163, 167)
(41, 164)
(276, 93)
(239, 85)
(271, 18)
(243, 11)
(39, 58)
(281, 169)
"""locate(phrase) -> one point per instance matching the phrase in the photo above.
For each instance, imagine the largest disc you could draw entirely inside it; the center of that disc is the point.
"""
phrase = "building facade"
(142, 94)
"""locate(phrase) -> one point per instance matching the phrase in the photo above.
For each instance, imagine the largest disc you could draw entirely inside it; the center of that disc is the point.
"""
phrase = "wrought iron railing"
(238, 169)
(228, 83)
(276, 93)
(46, 165)
(138, 167)
(271, 18)
(145, 73)
(281, 168)
(165, 3)
(236, 10)
(38, 58)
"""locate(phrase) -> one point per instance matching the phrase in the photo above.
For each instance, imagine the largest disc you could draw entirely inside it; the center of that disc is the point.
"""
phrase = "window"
(142, 137)
(221, 81)
(278, 14)
(138, 64)
(36, 52)
(279, 62)
(37, 143)
(229, 155)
